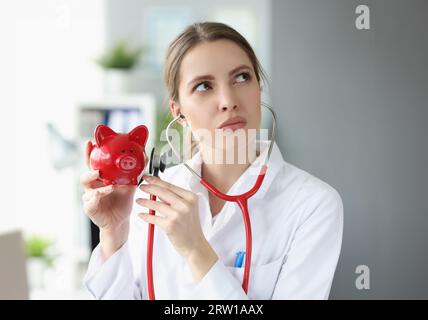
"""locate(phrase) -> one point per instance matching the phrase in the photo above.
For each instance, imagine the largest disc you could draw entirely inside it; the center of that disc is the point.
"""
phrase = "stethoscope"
(158, 164)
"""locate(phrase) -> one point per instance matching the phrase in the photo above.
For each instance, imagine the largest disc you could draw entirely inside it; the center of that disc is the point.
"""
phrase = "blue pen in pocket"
(239, 259)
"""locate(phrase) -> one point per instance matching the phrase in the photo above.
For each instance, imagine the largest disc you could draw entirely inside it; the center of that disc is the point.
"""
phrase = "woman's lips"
(234, 126)
(233, 123)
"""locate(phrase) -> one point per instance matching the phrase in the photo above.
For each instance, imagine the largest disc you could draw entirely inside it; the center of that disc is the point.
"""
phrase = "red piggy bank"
(119, 157)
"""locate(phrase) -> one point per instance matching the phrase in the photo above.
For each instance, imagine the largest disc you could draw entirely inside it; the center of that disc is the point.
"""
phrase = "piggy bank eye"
(132, 151)
(123, 151)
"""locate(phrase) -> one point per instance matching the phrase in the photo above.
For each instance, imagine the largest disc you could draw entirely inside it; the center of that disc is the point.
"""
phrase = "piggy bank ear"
(139, 134)
(102, 132)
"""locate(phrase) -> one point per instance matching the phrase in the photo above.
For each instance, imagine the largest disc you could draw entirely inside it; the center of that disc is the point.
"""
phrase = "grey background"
(352, 106)
(353, 111)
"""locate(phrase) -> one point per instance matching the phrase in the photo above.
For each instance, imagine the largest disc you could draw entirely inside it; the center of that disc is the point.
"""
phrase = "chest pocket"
(263, 278)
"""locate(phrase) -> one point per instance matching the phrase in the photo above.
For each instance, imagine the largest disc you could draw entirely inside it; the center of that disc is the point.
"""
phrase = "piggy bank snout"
(126, 162)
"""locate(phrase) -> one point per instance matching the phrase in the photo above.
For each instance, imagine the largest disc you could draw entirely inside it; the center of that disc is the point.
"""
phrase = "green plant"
(120, 56)
(40, 247)
(163, 118)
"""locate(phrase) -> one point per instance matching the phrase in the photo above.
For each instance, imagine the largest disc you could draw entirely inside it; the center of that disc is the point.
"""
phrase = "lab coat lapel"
(247, 180)
(193, 184)
(243, 184)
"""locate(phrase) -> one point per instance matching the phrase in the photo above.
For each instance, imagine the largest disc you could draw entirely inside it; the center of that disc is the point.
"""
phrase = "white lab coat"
(297, 223)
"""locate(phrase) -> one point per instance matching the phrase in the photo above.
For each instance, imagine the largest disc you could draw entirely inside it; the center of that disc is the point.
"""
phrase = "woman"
(296, 219)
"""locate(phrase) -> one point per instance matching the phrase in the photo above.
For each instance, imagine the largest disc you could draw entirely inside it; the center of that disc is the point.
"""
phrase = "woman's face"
(217, 83)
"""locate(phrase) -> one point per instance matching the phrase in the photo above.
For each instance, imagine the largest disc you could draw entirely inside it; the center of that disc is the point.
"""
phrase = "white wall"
(49, 68)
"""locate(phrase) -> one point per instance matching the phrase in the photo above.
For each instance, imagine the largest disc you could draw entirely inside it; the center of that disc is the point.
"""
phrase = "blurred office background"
(352, 109)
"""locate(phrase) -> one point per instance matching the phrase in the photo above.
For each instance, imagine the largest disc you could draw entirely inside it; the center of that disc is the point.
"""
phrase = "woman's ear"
(175, 109)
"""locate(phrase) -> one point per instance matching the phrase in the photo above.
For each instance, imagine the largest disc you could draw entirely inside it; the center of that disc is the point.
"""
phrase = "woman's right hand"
(109, 207)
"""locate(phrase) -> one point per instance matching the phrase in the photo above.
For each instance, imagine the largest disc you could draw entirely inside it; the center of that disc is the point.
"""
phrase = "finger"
(183, 193)
(104, 191)
(90, 206)
(167, 196)
(156, 220)
(124, 188)
(88, 177)
(157, 206)
(88, 150)
(86, 196)
(98, 192)
(162, 193)
(146, 159)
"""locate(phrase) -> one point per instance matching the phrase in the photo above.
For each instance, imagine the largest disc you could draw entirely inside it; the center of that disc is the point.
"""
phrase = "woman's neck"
(223, 174)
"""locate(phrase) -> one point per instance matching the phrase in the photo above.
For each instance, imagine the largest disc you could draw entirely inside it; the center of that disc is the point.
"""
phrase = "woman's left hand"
(180, 217)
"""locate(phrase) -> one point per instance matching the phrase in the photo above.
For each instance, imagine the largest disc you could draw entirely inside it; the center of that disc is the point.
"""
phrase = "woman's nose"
(227, 101)
(229, 107)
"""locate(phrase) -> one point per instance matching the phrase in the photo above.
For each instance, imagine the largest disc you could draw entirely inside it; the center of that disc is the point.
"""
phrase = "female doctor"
(212, 75)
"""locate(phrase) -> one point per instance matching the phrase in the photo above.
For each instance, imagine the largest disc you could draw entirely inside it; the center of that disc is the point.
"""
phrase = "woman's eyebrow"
(210, 77)
(241, 67)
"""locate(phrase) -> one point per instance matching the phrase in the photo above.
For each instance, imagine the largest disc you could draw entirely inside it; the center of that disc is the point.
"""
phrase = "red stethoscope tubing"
(149, 262)
(242, 201)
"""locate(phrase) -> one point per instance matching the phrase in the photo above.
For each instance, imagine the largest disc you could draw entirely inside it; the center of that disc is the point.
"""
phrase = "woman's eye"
(244, 75)
(201, 86)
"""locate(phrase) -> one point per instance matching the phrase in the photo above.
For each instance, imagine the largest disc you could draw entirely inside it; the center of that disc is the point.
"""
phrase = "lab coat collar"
(243, 184)
(248, 178)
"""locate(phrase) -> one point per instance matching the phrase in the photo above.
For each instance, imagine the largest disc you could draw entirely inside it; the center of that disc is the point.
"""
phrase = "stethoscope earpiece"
(181, 116)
